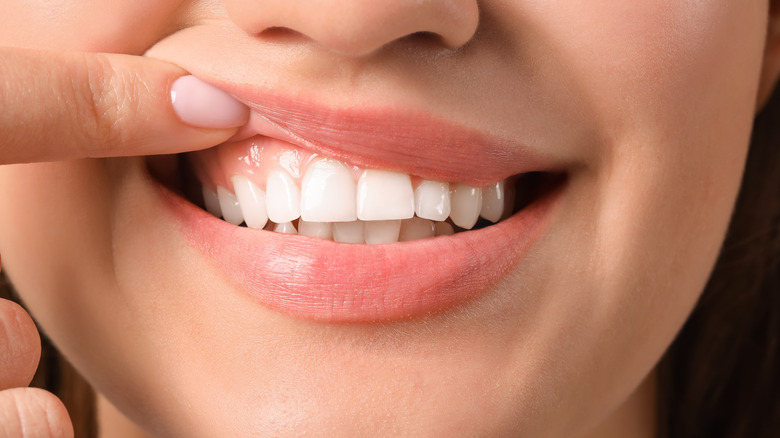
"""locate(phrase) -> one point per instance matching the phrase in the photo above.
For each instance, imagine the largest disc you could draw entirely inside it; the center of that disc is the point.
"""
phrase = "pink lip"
(322, 280)
(403, 140)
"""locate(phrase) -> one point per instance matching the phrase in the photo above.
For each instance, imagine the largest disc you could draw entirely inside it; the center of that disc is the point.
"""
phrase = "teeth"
(493, 200)
(315, 229)
(228, 203)
(443, 229)
(212, 202)
(283, 197)
(415, 228)
(384, 195)
(432, 200)
(251, 200)
(328, 193)
(379, 232)
(348, 232)
(466, 205)
(382, 207)
(285, 228)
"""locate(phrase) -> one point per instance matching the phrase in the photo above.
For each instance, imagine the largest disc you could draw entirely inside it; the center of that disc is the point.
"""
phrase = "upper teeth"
(432, 200)
(384, 195)
(283, 197)
(328, 193)
(381, 207)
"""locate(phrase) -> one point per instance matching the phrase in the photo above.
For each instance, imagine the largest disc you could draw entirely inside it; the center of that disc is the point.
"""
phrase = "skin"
(650, 103)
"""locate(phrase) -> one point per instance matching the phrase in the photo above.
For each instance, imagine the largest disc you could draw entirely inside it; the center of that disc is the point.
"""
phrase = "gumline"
(218, 166)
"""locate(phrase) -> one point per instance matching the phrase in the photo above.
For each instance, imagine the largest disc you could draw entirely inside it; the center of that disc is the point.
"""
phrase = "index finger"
(65, 105)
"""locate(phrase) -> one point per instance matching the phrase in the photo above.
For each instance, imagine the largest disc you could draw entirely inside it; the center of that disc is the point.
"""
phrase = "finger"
(33, 412)
(20, 346)
(62, 105)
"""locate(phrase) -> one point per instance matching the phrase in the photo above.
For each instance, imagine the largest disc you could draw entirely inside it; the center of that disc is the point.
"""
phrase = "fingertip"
(20, 346)
(33, 412)
(200, 104)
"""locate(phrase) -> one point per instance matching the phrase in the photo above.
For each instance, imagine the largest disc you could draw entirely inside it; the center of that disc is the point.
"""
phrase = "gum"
(255, 158)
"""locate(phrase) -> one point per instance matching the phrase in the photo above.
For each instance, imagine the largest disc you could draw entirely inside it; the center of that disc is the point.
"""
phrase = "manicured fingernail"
(200, 104)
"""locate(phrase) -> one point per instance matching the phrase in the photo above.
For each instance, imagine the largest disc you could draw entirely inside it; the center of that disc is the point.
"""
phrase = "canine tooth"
(348, 232)
(384, 195)
(315, 229)
(443, 229)
(432, 200)
(415, 228)
(466, 205)
(251, 200)
(228, 203)
(328, 193)
(282, 197)
(211, 200)
(285, 228)
(379, 232)
(493, 200)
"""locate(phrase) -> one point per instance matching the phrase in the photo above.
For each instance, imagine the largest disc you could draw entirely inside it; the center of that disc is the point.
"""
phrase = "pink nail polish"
(200, 104)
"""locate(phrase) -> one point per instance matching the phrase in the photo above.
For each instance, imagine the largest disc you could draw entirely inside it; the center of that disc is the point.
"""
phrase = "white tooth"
(384, 195)
(348, 232)
(212, 202)
(315, 229)
(432, 200)
(251, 200)
(415, 228)
(328, 193)
(228, 203)
(285, 228)
(466, 205)
(378, 232)
(443, 229)
(493, 200)
(282, 197)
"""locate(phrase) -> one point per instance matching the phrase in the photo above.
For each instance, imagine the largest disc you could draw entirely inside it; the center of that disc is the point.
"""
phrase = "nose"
(360, 27)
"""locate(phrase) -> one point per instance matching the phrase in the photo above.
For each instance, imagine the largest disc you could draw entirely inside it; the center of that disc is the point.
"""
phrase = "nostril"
(424, 38)
(283, 35)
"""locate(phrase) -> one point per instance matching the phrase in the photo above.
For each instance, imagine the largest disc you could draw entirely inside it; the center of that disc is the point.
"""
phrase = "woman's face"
(540, 325)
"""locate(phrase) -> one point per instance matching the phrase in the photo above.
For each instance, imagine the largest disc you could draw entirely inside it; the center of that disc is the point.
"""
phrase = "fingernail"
(200, 104)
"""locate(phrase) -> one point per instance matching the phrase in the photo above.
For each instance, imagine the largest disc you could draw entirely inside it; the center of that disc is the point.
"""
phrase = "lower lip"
(321, 280)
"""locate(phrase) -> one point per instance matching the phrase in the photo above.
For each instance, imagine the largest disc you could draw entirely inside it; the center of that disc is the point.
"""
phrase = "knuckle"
(110, 102)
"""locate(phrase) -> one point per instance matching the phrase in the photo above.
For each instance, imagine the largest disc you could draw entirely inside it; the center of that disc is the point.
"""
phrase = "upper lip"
(387, 137)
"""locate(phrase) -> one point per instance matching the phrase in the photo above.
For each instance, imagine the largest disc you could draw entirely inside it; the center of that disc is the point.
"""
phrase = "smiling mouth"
(318, 224)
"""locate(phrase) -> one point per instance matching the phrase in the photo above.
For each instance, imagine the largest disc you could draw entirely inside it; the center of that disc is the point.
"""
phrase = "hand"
(57, 106)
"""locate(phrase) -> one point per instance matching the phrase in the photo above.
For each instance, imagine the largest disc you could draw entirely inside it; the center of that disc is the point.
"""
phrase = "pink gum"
(255, 158)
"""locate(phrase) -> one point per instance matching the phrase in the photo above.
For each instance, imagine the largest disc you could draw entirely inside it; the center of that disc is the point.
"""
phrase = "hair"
(720, 378)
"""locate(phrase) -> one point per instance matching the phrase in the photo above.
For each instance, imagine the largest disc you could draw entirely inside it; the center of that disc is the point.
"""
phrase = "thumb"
(66, 105)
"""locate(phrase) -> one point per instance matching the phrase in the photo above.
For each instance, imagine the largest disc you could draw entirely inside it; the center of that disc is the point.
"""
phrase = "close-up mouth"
(332, 239)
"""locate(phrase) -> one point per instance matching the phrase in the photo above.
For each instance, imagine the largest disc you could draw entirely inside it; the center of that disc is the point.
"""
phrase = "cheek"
(53, 216)
(670, 87)
(122, 26)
